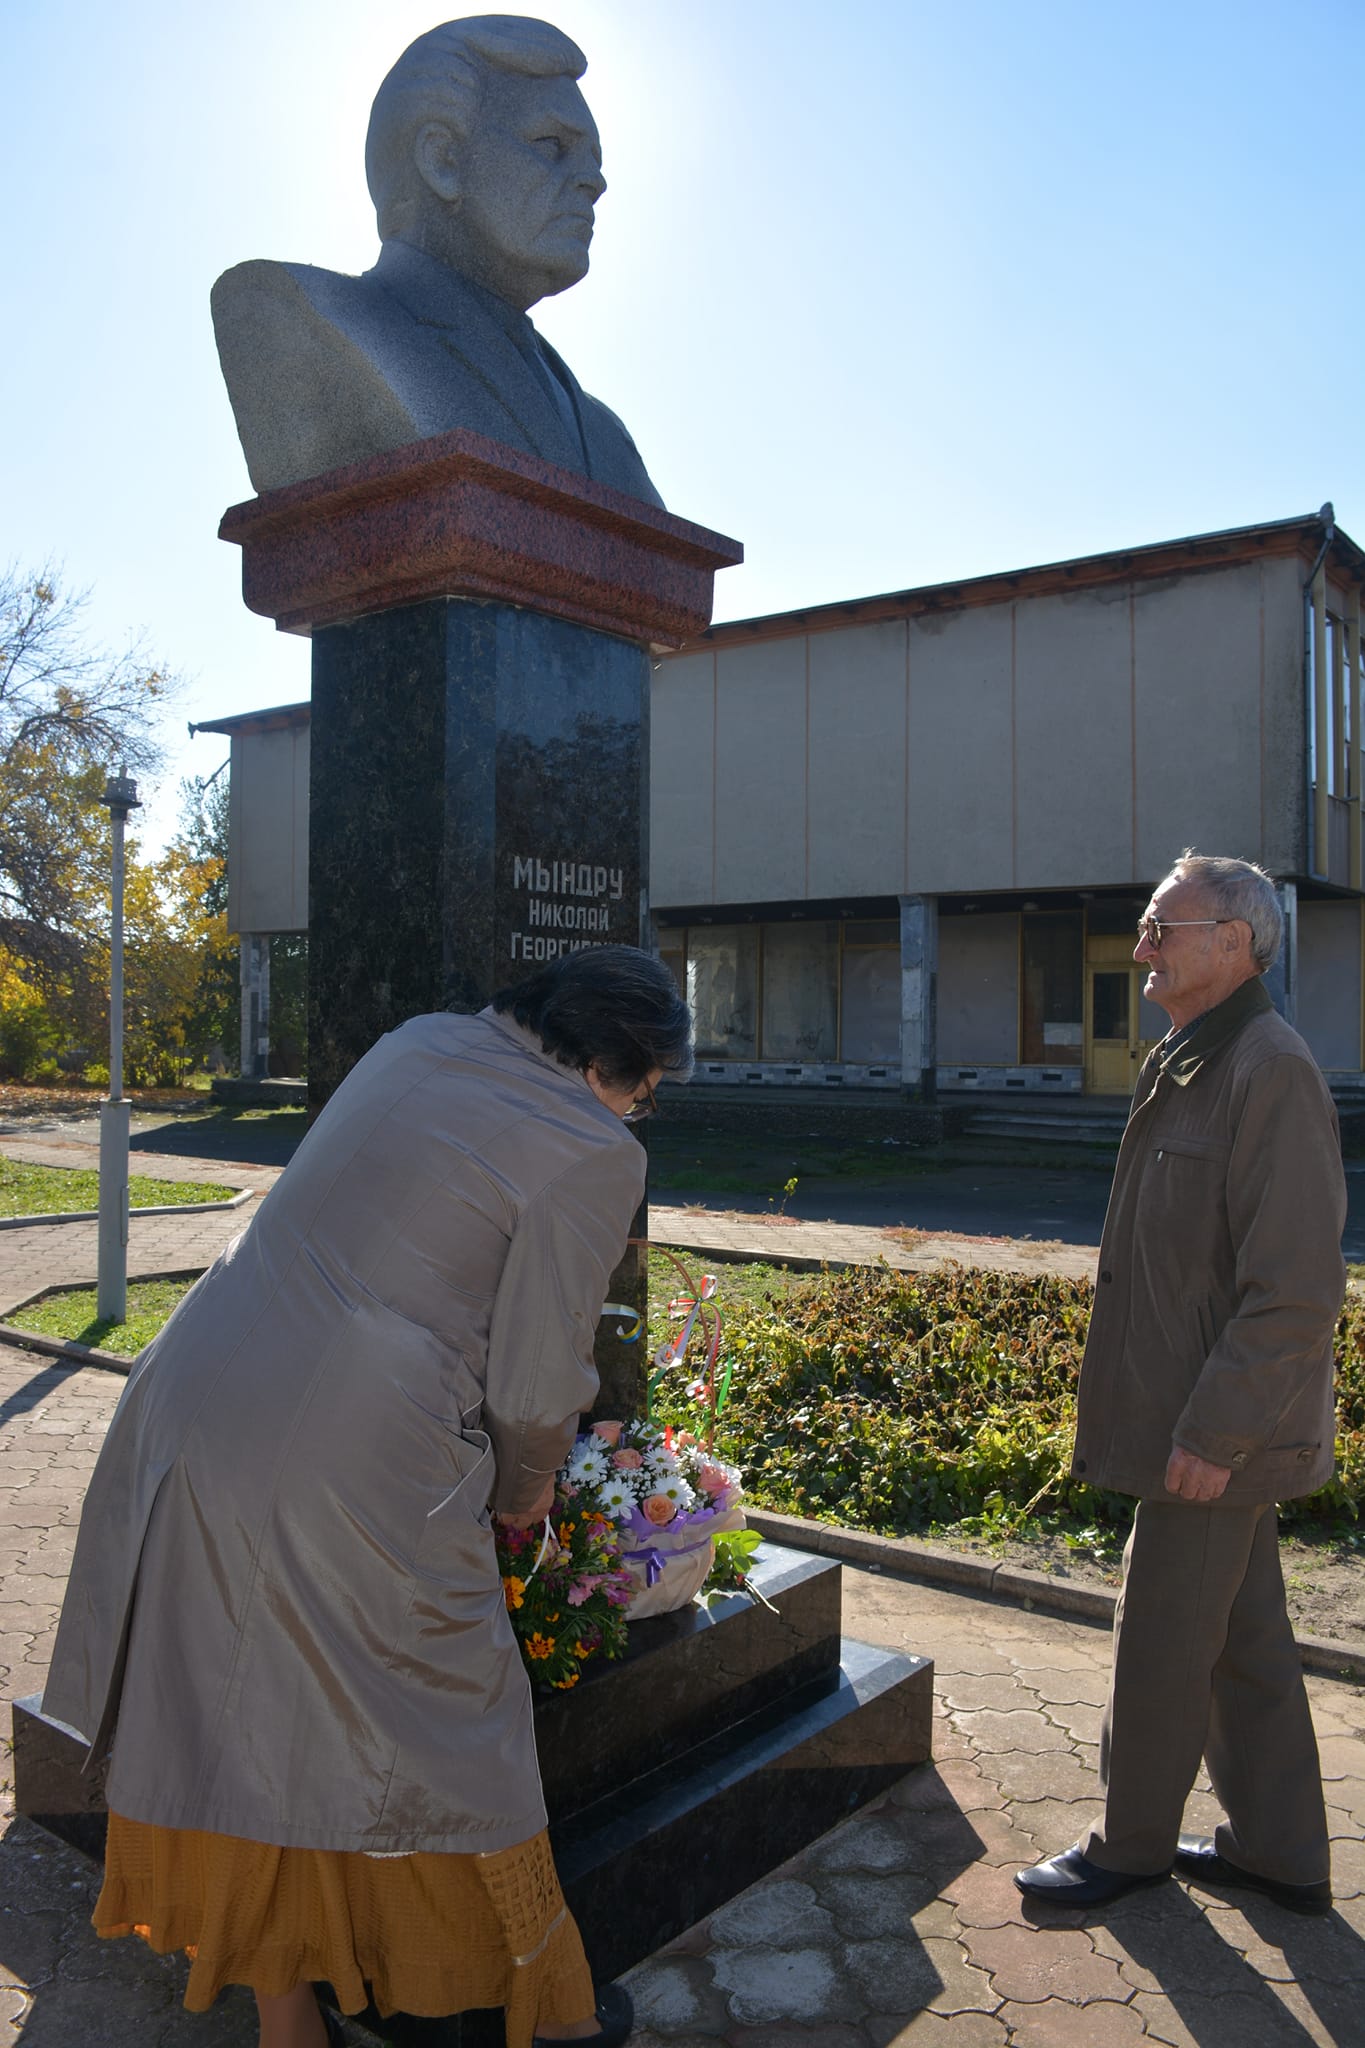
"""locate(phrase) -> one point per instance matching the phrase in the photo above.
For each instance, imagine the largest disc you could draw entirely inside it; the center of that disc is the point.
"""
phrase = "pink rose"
(610, 1432)
(627, 1460)
(658, 1509)
(712, 1480)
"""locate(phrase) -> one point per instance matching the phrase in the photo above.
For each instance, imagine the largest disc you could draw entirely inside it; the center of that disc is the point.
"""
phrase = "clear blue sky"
(894, 293)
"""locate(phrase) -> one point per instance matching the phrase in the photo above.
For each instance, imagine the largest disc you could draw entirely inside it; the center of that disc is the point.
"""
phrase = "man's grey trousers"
(1205, 1665)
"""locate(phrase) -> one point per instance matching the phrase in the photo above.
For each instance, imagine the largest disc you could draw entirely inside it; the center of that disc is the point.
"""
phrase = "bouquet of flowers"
(566, 1590)
(644, 1517)
(668, 1498)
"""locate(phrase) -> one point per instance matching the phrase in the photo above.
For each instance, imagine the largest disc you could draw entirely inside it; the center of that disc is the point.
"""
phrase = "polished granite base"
(461, 514)
(478, 808)
(724, 1741)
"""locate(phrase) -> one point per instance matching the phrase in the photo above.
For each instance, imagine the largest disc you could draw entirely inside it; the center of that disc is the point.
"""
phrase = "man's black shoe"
(1073, 1880)
(1197, 1860)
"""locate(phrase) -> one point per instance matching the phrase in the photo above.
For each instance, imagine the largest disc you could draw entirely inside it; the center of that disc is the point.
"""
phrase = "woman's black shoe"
(615, 2018)
(336, 2037)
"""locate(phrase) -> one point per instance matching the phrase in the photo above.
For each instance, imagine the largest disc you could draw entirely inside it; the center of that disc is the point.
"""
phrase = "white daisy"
(616, 1500)
(678, 1491)
(588, 1465)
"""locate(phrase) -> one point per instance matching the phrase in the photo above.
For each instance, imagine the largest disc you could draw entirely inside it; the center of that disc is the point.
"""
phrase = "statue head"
(481, 152)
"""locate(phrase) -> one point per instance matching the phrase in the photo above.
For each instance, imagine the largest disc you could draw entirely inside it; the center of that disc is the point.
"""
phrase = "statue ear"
(435, 151)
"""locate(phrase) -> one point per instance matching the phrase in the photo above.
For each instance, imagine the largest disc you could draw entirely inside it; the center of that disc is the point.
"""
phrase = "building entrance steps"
(1060, 1119)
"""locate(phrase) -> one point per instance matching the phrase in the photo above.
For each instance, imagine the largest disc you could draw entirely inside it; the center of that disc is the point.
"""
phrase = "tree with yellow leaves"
(69, 712)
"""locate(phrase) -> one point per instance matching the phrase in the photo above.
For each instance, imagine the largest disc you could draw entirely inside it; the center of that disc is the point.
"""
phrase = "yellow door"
(1120, 1028)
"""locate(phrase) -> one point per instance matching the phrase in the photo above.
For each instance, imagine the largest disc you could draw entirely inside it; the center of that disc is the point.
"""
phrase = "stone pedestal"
(481, 627)
(727, 1739)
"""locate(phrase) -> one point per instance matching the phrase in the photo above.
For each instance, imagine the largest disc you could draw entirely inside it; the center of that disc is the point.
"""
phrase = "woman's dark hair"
(613, 1007)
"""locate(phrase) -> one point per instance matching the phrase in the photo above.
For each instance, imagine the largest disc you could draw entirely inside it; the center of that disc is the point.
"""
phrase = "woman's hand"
(536, 1514)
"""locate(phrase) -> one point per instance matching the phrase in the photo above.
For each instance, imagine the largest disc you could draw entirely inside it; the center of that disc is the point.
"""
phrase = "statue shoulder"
(306, 391)
(616, 459)
(278, 292)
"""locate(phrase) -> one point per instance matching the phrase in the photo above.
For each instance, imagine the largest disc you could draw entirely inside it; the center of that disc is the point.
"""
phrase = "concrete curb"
(759, 1255)
(63, 1347)
(905, 1559)
(160, 1209)
(67, 1347)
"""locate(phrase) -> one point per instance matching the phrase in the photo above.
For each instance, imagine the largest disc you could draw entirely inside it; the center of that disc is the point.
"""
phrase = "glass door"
(1121, 1029)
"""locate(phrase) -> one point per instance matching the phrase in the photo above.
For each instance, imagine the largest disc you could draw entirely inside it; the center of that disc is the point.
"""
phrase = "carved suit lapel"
(464, 329)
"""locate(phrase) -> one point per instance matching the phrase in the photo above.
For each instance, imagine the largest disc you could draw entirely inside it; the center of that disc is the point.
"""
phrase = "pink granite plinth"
(461, 516)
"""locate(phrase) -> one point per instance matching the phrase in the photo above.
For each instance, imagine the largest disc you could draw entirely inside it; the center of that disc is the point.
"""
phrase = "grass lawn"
(72, 1315)
(735, 1285)
(53, 1190)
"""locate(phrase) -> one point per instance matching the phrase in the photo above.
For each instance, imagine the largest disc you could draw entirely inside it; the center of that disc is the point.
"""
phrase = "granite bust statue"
(484, 165)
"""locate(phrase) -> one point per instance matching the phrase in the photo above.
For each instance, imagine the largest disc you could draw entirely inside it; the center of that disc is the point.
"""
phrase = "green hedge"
(900, 1400)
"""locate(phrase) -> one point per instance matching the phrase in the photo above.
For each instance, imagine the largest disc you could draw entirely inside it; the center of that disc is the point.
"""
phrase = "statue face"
(530, 175)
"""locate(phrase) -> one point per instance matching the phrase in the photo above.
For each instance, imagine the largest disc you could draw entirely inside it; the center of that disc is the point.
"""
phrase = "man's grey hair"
(441, 77)
(1238, 889)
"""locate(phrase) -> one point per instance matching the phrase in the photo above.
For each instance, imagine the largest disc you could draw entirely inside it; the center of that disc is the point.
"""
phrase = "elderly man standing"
(1206, 1391)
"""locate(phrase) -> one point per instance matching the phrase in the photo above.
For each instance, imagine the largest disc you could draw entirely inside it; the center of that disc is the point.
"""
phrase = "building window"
(870, 993)
(978, 989)
(800, 992)
(1052, 999)
(805, 992)
(722, 990)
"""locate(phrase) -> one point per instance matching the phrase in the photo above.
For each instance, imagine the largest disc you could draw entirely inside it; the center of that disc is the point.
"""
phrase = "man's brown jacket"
(1221, 1273)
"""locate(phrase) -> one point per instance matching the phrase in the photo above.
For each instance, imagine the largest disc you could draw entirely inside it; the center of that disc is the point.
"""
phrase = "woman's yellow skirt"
(425, 1934)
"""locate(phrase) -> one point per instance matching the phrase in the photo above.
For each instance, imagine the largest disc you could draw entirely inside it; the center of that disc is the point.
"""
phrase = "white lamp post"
(120, 796)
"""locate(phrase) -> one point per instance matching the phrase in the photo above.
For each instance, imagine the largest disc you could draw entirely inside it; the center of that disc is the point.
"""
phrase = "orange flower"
(540, 1646)
(514, 1591)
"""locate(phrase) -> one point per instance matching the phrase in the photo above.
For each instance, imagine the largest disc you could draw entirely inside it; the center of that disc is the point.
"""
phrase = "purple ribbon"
(652, 1562)
(650, 1557)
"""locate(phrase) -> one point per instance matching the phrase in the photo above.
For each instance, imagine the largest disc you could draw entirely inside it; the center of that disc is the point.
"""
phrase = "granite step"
(641, 1867)
(689, 1676)
(725, 1740)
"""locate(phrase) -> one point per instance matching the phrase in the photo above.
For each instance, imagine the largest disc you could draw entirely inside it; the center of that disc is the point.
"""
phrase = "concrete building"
(902, 842)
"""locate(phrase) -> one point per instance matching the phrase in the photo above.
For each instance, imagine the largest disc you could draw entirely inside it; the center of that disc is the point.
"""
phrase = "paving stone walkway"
(64, 1254)
(900, 1927)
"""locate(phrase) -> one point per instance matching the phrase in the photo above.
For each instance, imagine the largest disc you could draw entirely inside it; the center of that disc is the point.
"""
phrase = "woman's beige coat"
(285, 1604)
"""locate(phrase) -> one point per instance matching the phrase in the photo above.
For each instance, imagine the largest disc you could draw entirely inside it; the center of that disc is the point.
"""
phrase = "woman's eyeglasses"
(646, 1106)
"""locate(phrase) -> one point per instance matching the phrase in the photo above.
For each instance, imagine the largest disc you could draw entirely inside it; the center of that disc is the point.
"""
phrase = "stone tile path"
(59, 1255)
(65, 1254)
(781, 1237)
(900, 1927)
